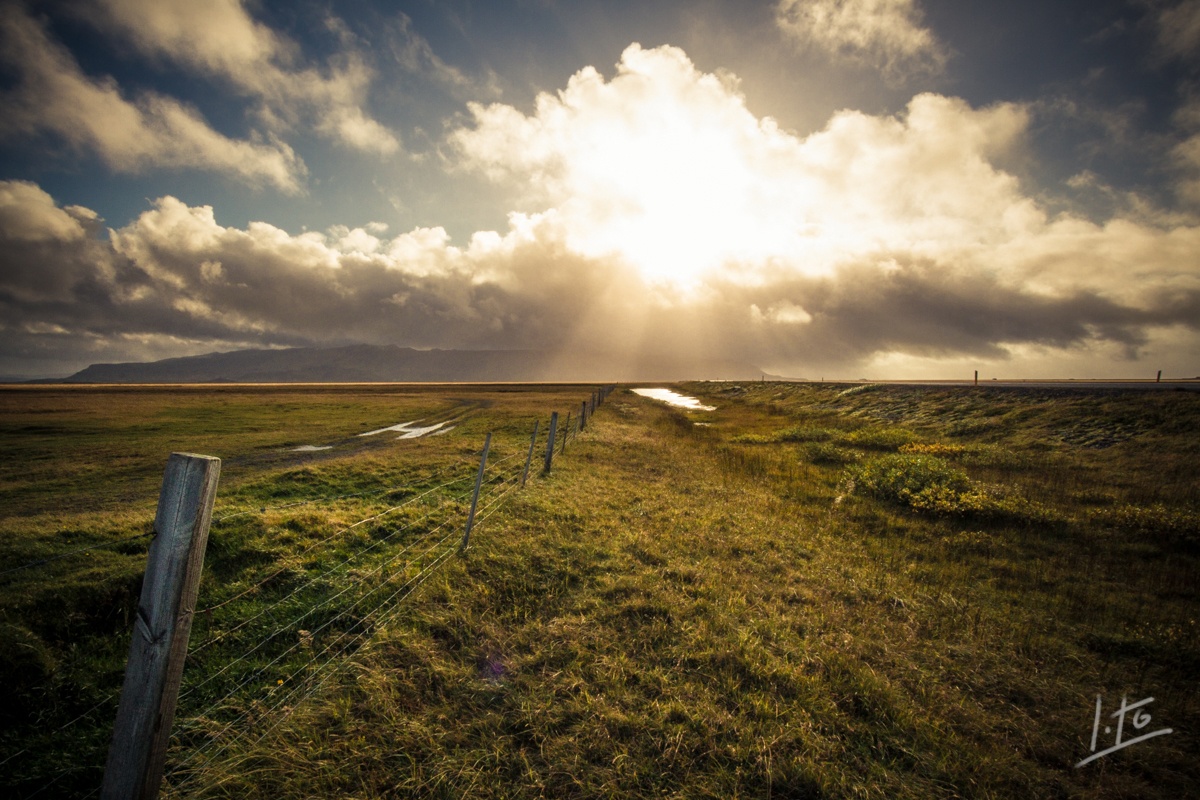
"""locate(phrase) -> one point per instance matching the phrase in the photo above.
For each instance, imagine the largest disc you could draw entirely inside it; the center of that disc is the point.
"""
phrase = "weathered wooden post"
(583, 416)
(529, 457)
(138, 751)
(487, 443)
(550, 444)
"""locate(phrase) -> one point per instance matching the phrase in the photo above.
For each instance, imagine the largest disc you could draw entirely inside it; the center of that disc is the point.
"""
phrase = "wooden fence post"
(566, 434)
(583, 416)
(550, 443)
(529, 457)
(138, 751)
(487, 443)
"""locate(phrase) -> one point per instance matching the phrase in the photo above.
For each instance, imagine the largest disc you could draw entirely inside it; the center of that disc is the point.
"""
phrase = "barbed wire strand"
(245, 715)
(331, 536)
(314, 578)
(483, 515)
(346, 635)
(333, 498)
(289, 626)
(420, 577)
(115, 695)
(411, 584)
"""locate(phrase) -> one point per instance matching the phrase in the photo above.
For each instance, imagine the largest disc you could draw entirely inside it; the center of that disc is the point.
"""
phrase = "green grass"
(885, 592)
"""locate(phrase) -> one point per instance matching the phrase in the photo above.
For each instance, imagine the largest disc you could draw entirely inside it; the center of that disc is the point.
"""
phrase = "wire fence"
(268, 641)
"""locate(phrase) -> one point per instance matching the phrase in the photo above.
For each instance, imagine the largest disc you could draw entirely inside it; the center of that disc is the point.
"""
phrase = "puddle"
(407, 429)
(311, 448)
(403, 426)
(416, 433)
(674, 399)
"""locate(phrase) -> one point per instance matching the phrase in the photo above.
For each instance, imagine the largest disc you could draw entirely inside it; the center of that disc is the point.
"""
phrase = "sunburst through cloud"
(819, 187)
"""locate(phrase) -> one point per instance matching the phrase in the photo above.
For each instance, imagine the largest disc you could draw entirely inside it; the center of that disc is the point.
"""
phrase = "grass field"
(818, 591)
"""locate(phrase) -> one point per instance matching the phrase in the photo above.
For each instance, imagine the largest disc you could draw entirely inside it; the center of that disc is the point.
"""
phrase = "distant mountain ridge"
(390, 363)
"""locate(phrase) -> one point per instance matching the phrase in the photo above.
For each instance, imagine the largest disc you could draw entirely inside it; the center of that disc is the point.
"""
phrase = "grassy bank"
(819, 592)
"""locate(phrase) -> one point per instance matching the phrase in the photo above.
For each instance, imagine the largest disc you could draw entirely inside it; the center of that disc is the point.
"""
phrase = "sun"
(677, 199)
(675, 210)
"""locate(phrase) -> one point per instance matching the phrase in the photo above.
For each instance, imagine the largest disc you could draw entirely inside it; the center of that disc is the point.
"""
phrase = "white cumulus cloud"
(887, 34)
(52, 94)
(219, 38)
(655, 213)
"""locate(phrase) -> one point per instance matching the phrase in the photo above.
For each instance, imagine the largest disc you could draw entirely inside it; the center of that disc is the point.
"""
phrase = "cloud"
(654, 214)
(176, 280)
(886, 34)
(53, 95)
(875, 234)
(220, 39)
(665, 166)
(1179, 30)
(416, 56)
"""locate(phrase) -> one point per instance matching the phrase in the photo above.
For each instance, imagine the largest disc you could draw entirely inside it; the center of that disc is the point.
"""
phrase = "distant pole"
(529, 457)
(487, 443)
(583, 415)
(976, 377)
(550, 443)
(1159, 378)
(163, 624)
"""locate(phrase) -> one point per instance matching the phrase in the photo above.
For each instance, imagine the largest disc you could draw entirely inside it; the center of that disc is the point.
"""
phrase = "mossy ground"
(720, 610)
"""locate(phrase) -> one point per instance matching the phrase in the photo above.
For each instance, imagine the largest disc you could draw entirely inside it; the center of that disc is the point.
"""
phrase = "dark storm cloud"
(175, 278)
(932, 311)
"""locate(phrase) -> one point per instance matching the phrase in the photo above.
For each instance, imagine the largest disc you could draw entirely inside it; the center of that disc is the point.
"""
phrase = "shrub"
(1177, 526)
(755, 438)
(983, 503)
(929, 484)
(902, 477)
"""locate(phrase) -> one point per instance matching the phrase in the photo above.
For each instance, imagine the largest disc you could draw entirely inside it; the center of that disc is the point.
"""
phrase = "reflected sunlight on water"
(674, 398)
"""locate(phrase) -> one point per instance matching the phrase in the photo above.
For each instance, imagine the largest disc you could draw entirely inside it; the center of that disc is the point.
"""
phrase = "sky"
(820, 188)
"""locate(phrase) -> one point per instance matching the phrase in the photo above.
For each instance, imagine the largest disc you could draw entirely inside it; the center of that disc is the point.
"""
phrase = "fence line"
(346, 638)
(332, 536)
(329, 499)
(303, 616)
(363, 614)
